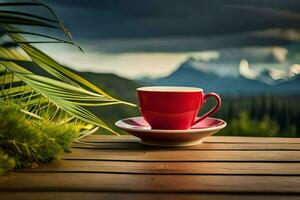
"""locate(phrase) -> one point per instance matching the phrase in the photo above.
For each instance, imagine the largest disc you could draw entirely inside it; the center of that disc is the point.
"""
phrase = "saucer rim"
(194, 130)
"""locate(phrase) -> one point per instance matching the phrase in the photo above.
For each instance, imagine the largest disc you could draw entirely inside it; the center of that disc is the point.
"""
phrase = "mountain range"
(247, 81)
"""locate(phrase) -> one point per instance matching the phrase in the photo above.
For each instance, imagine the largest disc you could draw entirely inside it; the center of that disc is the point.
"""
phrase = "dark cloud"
(152, 18)
(182, 44)
(137, 19)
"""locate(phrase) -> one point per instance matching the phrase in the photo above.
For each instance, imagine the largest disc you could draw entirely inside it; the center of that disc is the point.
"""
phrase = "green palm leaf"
(9, 54)
(54, 68)
(63, 98)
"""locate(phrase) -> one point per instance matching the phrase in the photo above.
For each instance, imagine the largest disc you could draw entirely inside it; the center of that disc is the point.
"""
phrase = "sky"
(139, 38)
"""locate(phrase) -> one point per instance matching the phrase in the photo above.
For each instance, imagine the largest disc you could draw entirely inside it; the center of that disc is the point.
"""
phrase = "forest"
(264, 115)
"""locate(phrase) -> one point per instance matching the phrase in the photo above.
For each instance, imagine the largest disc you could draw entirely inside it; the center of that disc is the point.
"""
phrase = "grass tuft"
(26, 142)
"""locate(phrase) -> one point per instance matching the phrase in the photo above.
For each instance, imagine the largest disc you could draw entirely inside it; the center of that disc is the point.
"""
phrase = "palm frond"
(63, 97)
(53, 67)
(11, 54)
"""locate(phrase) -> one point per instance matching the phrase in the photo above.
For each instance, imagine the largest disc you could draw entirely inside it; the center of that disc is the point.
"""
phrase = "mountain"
(266, 77)
(197, 74)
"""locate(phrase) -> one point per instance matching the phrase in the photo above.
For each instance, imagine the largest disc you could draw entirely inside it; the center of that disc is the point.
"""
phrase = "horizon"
(156, 65)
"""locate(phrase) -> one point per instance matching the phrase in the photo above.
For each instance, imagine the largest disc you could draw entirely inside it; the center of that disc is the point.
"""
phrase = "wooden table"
(121, 168)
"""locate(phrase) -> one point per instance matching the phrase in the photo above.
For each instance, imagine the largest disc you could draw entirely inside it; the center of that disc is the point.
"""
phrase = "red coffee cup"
(176, 108)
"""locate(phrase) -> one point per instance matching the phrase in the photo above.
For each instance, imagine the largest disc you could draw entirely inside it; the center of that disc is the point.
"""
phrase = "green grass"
(25, 142)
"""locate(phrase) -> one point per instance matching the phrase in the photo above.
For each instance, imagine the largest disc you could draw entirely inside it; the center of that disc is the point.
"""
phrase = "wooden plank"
(110, 138)
(196, 168)
(169, 155)
(257, 140)
(140, 196)
(211, 139)
(148, 183)
(203, 146)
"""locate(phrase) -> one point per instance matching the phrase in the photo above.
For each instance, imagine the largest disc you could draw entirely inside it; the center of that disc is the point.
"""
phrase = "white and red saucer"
(137, 126)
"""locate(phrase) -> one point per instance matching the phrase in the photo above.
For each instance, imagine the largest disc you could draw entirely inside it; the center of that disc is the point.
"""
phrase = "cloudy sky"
(152, 37)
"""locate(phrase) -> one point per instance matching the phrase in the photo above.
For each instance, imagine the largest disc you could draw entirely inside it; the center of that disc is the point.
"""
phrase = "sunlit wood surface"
(121, 168)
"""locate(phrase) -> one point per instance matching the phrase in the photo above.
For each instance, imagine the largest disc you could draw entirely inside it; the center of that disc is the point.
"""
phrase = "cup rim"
(169, 89)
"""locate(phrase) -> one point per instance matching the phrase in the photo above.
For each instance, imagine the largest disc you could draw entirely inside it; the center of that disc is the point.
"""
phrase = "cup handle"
(213, 110)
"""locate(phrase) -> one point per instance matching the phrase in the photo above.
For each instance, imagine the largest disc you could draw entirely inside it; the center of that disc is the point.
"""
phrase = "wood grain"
(211, 139)
(203, 146)
(138, 196)
(256, 140)
(172, 156)
(223, 168)
(149, 183)
(192, 168)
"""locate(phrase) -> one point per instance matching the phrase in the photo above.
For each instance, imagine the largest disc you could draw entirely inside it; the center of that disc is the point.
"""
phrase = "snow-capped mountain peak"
(294, 70)
(280, 75)
(194, 64)
(246, 71)
(247, 79)
(269, 76)
(277, 74)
